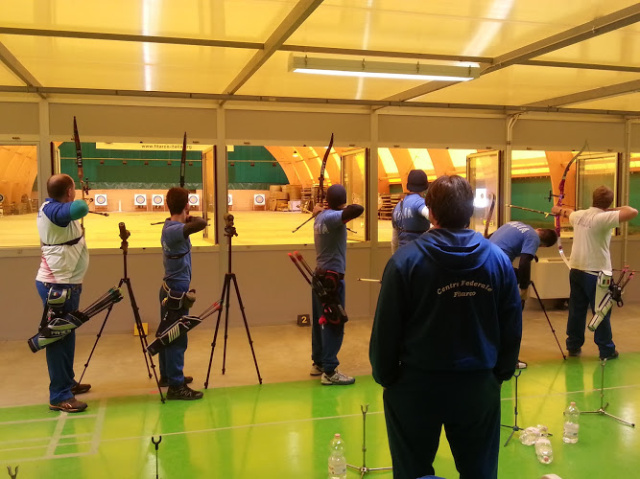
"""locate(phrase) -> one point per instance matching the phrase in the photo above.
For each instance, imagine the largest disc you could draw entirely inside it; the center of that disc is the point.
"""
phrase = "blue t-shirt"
(407, 218)
(330, 237)
(516, 238)
(176, 256)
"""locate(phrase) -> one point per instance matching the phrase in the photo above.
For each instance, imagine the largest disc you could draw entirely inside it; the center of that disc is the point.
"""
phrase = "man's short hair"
(57, 186)
(177, 199)
(602, 197)
(548, 237)
(450, 201)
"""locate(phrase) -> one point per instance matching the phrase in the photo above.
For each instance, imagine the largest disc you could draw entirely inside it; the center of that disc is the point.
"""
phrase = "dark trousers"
(60, 354)
(467, 404)
(582, 301)
(326, 339)
(171, 358)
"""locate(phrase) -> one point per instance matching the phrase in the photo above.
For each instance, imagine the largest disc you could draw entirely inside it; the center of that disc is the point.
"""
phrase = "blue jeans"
(60, 354)
(326, 339)
(581, 301)
(171, 358)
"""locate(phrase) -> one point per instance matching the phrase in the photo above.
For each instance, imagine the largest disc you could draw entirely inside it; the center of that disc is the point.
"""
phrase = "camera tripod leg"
(515, 426)
(246, 327)
(224, 302)
(548, 320)
(95, 344)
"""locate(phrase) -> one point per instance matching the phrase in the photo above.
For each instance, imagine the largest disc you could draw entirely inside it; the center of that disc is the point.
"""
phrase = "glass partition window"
(18, 196)
(394, 165)
(531, 188)
(483, 173)
(128, 184)
(634, 192)
(355, 181)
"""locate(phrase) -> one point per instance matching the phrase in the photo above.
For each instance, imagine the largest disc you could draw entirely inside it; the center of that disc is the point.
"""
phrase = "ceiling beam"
(607, 23)
(582, 66)
(501, 109)
(18, 69)
(121, 37)
(588, 95)
(289, 25)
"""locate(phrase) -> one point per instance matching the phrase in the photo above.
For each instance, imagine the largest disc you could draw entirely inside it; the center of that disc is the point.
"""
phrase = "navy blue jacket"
(449, 302)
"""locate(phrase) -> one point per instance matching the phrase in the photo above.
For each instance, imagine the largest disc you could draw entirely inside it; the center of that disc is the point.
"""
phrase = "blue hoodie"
(449, 302)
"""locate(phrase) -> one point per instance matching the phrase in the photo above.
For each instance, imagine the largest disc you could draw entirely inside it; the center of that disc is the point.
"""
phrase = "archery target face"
(194, 200)
(140, 200)
(481, 200)
(100, 199)
(229, 200)
(157, 200)
(1, 198)
(259, 199)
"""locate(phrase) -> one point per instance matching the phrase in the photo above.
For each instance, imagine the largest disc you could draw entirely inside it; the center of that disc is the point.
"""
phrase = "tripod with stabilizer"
(124, 246)
(229, 232)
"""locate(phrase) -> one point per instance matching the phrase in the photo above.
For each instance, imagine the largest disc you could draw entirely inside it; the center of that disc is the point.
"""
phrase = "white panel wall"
(17, 120)
(132, 123)
(293, 127)
(441, 132)
(568, 135)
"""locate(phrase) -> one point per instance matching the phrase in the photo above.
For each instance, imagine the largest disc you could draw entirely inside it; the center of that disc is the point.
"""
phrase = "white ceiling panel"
(623, 102)
(240, 20)
(274, 79)
(521, 84)
(472, 27)
(77, 63)
(7, 77)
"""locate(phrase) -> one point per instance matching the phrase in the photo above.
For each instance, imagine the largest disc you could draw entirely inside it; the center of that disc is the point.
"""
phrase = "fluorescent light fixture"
(379, 69)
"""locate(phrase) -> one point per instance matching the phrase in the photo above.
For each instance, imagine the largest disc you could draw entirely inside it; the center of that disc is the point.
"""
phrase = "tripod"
(124, 246)
(515, 426)
(229, 232)
(364, 469)
(548, 320)
(602, 410)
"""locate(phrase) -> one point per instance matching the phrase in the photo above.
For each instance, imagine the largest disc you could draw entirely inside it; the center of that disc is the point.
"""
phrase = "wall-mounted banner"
(150, 146)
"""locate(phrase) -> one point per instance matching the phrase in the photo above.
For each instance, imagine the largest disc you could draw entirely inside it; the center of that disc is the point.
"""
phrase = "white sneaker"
(315, 370)
(521, 365)
(337, 378)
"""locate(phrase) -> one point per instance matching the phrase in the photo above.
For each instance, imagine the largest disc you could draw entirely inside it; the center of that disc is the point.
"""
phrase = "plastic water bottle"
(530, 435)
(337, 461)
(544, 451)
(571, 426)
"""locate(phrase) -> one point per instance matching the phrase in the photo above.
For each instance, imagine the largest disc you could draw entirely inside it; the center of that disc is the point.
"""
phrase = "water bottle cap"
(337, 434)
(573, 403)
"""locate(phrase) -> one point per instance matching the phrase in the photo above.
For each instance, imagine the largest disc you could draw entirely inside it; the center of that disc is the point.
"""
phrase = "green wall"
(532, 193)
(249, 168)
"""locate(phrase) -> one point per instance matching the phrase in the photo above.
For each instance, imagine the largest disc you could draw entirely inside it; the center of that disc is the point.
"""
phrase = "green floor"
(282, 430)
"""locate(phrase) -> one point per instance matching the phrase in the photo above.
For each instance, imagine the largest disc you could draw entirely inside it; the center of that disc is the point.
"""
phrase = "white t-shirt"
(591, 237)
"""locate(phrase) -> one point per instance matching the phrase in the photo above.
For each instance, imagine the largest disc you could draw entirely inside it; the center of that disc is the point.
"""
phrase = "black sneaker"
(164, 383)
(78, 388)
(69, 405)
(574, 353)
(184, 393)
(613, 355)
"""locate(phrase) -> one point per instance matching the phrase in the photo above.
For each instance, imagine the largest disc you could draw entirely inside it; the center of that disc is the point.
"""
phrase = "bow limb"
(84, 186)
(561, 187)
(323, 167)
(183, 160)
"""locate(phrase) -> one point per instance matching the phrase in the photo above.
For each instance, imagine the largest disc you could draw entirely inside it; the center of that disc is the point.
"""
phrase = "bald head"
(58, 187)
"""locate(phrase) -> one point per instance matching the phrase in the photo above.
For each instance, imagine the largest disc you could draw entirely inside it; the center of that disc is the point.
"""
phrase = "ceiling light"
(379, 69)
